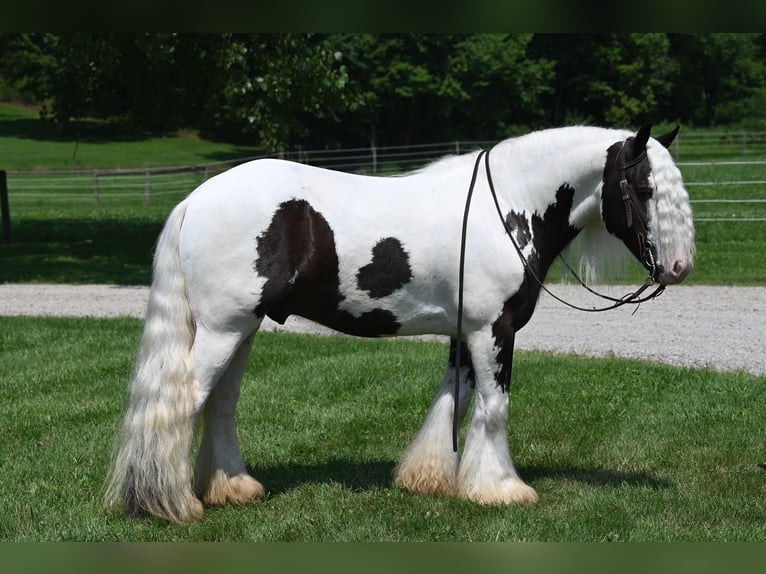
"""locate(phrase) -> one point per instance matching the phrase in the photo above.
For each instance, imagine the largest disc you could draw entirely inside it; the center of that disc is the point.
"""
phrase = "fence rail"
(744, 174)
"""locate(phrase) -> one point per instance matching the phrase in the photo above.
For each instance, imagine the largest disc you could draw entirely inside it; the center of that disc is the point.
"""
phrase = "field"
(618, 450)
(83, 228)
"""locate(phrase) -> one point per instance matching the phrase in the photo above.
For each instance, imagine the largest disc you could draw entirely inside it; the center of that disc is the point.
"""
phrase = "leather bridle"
(645, 246)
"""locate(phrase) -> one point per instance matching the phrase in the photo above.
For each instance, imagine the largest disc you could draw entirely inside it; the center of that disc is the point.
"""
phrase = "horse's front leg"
(486, 474)
(429, 465)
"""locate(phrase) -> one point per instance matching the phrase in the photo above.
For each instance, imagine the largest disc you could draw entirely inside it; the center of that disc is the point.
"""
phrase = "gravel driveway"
(719, 327)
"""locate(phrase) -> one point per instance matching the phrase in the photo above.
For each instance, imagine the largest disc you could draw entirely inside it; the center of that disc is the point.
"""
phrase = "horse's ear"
(641, 138)
(668, 138)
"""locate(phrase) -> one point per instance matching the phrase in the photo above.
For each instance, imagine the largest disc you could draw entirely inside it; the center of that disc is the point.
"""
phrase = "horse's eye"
(644, 192)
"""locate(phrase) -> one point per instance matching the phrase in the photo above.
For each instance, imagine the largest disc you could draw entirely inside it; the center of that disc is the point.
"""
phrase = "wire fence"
(720, 170)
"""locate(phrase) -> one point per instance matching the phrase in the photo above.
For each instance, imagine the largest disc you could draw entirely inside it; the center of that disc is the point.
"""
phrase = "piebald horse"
(378, 257)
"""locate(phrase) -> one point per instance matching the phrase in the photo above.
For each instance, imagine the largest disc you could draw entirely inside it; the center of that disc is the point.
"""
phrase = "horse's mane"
(597, 256)
(442, 163)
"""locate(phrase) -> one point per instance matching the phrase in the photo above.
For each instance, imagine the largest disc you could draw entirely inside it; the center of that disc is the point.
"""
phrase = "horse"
(378, 256)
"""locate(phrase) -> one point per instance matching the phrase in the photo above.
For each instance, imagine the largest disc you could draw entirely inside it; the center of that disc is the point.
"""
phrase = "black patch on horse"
(550, 234)
(465, 360)
(389, 270)
(518, 222)
(298, 258)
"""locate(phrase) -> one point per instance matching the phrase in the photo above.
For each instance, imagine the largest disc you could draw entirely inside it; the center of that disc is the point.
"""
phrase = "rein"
(633, 298)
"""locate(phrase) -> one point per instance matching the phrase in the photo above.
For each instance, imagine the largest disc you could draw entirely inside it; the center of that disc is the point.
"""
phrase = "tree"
(502, 85)
(26, 64)
(287, 90)
(606, 78)
(258, 88)
(273, 86)
(401, 79)
(719, 76)
(433, 87)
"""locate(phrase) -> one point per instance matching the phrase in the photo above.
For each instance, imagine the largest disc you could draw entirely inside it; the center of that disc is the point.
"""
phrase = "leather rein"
(647, 251)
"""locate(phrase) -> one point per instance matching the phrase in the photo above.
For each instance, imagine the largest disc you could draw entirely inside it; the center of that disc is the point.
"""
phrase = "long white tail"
(151, 469)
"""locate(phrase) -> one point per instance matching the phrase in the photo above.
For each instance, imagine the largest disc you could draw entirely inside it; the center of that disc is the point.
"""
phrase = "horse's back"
(277, 238)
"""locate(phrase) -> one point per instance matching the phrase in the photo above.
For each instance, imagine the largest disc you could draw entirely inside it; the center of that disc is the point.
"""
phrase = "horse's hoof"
(428, 484)
(509, 491)
(238, 489)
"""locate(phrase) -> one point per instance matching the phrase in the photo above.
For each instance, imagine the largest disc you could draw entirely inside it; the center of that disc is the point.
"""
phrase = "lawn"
(62, 233)
(26, 142)
(618, 450)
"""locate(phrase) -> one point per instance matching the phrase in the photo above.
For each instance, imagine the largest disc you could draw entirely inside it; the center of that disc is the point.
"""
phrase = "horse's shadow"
(353, 475)
(365, 476)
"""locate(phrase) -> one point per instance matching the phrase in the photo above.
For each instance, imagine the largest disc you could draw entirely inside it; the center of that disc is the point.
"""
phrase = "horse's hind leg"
(221, 475)
(429, 465)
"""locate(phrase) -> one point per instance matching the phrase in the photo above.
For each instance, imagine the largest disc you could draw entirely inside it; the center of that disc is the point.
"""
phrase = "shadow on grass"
(80, 251)
(83, 131)
(359, 476)
(101, 132)
(594, 476)
(363, 476)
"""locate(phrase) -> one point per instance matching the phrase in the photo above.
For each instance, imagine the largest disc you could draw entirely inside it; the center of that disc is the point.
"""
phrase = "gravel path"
(718, 327)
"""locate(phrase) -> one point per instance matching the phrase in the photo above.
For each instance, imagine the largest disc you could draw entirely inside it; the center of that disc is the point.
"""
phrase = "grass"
(61, 238)
(30, 143)
(617, 449)
(58, 237)
(109, 242)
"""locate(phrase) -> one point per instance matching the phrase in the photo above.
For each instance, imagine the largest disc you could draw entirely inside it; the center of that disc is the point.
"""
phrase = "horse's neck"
(529, 174)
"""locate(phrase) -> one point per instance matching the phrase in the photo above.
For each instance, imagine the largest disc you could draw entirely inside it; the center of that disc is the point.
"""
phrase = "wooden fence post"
(6, 213)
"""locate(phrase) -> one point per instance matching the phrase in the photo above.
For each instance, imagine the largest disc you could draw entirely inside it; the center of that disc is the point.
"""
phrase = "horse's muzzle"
(673, 273)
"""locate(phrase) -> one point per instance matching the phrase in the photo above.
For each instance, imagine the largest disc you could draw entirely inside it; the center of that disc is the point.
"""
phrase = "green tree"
(606, 78)
(272, 86)
(27, 63)
(259, 88)
(719, 77)
(501, 84)
(286, 90)
(401, 79)
(434, 87)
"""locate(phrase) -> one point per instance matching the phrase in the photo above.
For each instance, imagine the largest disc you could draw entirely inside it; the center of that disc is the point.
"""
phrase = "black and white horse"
(377, 256)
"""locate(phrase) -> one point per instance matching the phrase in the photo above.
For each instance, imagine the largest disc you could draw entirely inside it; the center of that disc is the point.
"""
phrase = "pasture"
(71, 229)
(618, 450)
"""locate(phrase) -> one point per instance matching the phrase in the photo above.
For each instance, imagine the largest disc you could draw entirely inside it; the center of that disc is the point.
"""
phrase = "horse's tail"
(151, 469)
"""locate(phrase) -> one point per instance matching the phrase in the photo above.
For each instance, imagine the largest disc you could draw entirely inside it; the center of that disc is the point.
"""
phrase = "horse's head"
(644, 203)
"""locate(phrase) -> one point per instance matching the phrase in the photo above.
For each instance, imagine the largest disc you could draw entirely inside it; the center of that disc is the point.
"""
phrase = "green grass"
(30, 143)
(65, 236)
(66, 242)
(617, 449)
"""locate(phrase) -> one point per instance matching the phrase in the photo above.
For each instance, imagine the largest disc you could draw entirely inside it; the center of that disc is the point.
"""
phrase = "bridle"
(646, 248)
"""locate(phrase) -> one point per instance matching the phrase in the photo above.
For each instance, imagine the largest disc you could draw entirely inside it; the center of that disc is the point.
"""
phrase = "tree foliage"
(286, 90)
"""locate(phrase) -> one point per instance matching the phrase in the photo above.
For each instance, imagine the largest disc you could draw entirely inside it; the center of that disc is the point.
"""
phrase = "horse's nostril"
(681, 269)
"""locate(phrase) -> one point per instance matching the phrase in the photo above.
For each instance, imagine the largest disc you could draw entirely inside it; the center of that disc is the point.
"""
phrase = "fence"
(745, 176)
